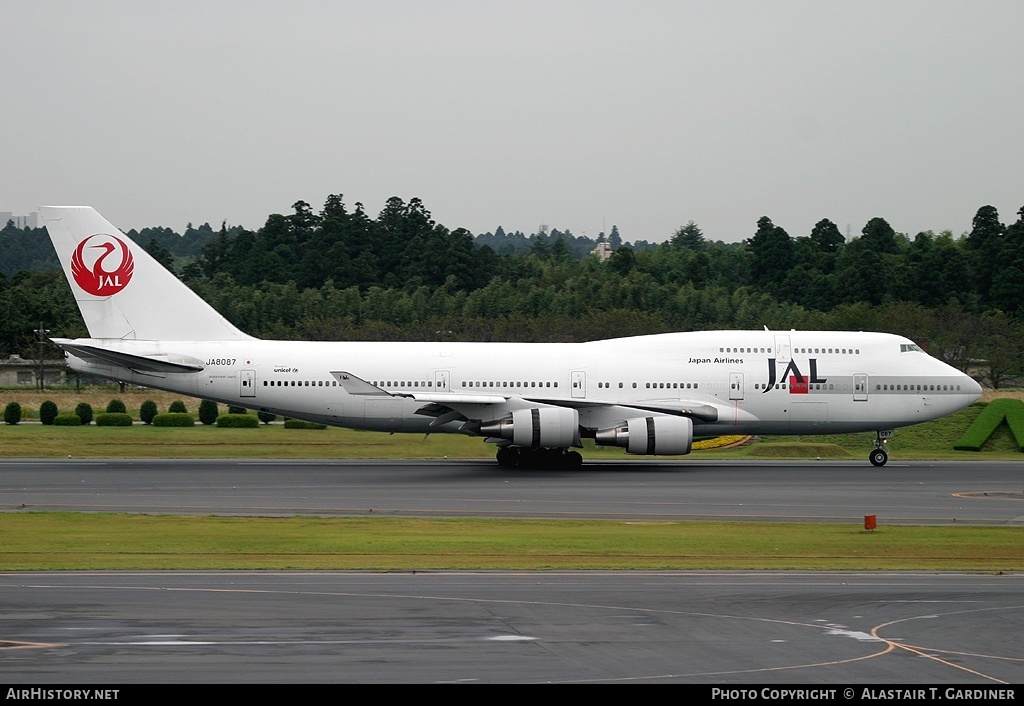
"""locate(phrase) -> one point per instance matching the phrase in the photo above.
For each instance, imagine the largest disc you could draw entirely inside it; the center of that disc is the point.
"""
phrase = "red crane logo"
(94, 278)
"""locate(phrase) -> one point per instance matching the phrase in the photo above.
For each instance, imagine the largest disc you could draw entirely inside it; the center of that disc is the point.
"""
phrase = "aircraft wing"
(682, 408)
(355, 385)
(448, 406)
(482, 406)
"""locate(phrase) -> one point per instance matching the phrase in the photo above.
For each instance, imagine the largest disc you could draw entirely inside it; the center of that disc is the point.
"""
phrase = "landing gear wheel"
(521, 457)
(508, 456)
(878, 457)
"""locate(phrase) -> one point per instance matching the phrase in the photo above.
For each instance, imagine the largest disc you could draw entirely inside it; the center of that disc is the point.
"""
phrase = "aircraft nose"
(973, 388)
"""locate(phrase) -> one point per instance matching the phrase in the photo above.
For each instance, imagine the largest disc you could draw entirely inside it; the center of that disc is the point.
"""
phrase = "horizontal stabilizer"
(160, 363)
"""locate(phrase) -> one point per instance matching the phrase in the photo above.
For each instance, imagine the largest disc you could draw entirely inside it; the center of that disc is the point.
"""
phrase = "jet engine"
(650, 435)
(543, 427)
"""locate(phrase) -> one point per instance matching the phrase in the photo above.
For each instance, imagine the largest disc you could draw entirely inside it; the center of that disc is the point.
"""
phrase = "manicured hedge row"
(113, 419)
(67, 420)
(173, 419)
(301, 424)
(238, 421)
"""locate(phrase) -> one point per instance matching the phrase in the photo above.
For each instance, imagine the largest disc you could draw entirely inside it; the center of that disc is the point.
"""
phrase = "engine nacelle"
(541, 427)
(650, 435)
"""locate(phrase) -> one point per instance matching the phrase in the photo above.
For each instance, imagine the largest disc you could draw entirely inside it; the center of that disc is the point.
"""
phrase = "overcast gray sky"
(575, 114)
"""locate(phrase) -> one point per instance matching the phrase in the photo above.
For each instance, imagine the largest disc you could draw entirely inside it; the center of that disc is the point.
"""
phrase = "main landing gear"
(878, 457)
(522, 457)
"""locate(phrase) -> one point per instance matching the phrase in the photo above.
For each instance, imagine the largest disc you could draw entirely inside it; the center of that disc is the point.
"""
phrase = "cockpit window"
(904, 347)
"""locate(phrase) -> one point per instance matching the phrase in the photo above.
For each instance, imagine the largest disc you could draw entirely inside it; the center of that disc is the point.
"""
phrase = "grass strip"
(109, 541)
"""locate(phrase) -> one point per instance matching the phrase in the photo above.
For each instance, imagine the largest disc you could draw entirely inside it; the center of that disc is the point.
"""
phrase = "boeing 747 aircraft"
(535, 401)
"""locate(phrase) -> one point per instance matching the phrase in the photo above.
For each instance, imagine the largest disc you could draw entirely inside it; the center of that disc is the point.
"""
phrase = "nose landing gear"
(879, 456)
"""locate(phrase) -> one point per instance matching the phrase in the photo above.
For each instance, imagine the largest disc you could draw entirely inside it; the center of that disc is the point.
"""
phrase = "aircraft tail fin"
(121, 290)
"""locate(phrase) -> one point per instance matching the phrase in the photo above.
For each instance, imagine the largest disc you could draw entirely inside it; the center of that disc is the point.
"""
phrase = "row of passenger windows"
(509, 384)
(300, 383)
(651, 385)
(407, 384)
(842, 351)
(334, 383)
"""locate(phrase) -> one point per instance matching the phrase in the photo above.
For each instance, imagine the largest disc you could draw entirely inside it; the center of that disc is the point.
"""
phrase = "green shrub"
(266, 417)
(208, 411)
(302, 424)
(147, 411)
(116, 406)
(113, 419)
(69, 419)
(235, 409)
(47, 412)
(84, 412)
(177, 407)
(12, 413)
(173, 419)
(237, 421)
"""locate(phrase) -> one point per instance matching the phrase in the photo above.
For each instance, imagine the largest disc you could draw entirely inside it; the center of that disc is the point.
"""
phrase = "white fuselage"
(743, 382)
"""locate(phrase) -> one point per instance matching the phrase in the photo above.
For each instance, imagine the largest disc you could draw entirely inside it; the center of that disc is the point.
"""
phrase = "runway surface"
(810, 491)
(839, 629)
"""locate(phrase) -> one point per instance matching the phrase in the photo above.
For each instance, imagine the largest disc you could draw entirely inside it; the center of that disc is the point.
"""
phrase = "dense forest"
(340, 274)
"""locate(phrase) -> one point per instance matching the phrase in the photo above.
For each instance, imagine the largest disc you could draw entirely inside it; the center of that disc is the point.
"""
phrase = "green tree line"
(339, 274)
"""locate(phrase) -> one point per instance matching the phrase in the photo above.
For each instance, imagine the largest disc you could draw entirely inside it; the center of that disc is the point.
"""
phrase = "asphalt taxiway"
(511, 627)
(834, 629)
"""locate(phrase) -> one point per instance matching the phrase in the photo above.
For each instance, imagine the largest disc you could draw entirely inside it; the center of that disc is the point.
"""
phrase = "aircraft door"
(247, 383)
(783, 352)
(579, 383)
(860, 387)
(441, 378)
(735, 386)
